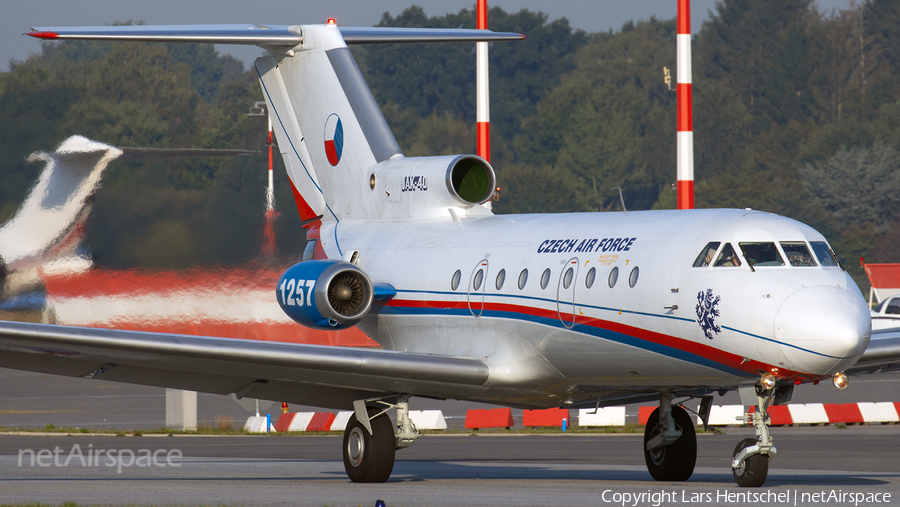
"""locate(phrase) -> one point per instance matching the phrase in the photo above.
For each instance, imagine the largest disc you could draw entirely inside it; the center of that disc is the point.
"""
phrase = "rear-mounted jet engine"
(328, 294)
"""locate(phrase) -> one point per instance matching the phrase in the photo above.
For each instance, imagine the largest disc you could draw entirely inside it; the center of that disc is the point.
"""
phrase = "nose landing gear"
(750, 464)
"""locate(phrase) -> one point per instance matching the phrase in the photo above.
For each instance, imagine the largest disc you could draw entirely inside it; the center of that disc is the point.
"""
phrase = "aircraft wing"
(324, 376)
(267, 36)
(882, 354)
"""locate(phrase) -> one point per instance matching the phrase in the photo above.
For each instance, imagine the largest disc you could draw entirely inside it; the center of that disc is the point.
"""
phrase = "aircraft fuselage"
(658, 321)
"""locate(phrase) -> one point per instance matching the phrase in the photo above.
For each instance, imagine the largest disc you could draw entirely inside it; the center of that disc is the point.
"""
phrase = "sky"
(589, 15)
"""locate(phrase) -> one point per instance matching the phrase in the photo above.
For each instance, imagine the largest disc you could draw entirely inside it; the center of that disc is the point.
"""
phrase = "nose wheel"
(752, 471)
(369, 458)
(750, 463)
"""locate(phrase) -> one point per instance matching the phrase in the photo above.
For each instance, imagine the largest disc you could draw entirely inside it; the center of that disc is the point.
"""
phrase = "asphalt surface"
(449, 470)
(437, 470)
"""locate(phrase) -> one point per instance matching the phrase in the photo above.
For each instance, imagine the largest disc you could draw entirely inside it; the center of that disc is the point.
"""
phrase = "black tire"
(673, 462)
(369, 458)
(753, 471)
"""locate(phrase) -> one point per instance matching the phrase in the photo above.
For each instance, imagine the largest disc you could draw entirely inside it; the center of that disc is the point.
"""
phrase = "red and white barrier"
(606, 416)
(340, 421)
(811, 413)
(305, 421)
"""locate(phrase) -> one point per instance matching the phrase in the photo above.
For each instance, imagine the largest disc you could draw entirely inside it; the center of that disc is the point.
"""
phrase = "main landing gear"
(670, 443)
(750, 464)
(369, 441)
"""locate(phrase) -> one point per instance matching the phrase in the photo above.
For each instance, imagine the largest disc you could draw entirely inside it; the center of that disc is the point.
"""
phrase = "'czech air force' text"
(586, 245)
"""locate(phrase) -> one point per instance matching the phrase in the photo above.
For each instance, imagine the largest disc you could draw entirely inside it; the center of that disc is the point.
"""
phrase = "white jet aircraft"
(530, 311)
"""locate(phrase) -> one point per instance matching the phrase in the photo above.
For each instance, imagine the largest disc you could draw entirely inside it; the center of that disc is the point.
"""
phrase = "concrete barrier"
(547, 418)
(606, 416)
(493, 418)
(428, 419)
(257, 424)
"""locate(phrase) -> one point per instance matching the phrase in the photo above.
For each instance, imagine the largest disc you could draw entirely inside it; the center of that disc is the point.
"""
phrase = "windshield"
(824, 254)
(706, 255)
(761, 254)
(797, 254)
(727, 258)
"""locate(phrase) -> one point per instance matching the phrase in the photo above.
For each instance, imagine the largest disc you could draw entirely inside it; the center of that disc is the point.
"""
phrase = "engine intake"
(329, 294)
(471, 179)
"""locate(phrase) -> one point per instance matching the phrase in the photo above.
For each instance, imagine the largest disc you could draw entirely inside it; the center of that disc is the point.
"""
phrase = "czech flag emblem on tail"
(334, 138)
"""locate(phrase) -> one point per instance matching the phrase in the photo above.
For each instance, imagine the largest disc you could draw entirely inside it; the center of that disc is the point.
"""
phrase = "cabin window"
(523, 278)
(893, 307)
(727, 257)
(824, 254)
(567, 278)
(797, 254)
(633, 277)
(761, 254)
(501, 277)
(589, 279)
(545, 278)
(613, 277)
(479, 277)
(454, 282)
(707, 254)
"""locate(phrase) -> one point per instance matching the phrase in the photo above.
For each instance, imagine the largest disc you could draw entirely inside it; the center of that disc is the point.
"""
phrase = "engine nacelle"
(418, 183)
(329, 294)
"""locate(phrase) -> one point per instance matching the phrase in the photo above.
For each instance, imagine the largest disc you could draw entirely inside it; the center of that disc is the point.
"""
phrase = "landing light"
(767, 381)
(840, 380)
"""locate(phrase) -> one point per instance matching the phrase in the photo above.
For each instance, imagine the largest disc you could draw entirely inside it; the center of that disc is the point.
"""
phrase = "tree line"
(796, 112)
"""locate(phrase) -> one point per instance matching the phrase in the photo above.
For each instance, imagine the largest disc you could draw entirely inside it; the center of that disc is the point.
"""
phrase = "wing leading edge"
(325, 376)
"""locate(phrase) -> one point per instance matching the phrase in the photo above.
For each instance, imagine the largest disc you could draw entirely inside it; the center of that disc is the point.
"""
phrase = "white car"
(887, 314)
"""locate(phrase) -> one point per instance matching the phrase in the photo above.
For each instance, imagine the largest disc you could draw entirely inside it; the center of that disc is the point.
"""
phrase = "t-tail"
(342, 158)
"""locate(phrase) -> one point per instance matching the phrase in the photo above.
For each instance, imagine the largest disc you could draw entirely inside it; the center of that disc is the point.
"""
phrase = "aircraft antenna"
(621, 199)
(685, 139)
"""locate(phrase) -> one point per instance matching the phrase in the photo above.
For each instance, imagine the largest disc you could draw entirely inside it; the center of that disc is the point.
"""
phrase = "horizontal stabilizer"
(166, 153)
(199, 34)
(263, 35)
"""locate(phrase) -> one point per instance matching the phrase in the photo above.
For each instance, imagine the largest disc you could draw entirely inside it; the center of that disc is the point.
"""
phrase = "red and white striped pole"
(270, 192)
(482, 92)
(685, 115)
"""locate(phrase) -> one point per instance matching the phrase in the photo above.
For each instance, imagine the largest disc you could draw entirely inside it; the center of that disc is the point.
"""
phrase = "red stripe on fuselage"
(705, 351)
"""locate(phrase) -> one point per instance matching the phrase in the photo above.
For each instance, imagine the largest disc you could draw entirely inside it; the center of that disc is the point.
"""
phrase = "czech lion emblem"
(707, 312)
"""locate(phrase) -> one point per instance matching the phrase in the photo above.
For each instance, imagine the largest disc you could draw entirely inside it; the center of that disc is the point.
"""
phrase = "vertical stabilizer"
(330, 130)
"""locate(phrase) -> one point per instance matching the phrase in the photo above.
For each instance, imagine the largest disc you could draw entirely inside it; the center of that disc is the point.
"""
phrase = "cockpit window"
(824, 254)
(761, 254)
(797, 254)
(727, 258)
(706, 255)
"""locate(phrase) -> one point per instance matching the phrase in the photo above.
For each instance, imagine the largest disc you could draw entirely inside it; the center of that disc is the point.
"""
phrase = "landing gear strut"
(750, 464)
(670, 443)
(369, 441)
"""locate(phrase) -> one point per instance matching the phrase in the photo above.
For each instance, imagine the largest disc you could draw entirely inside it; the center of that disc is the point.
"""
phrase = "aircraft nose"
(823, 329)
